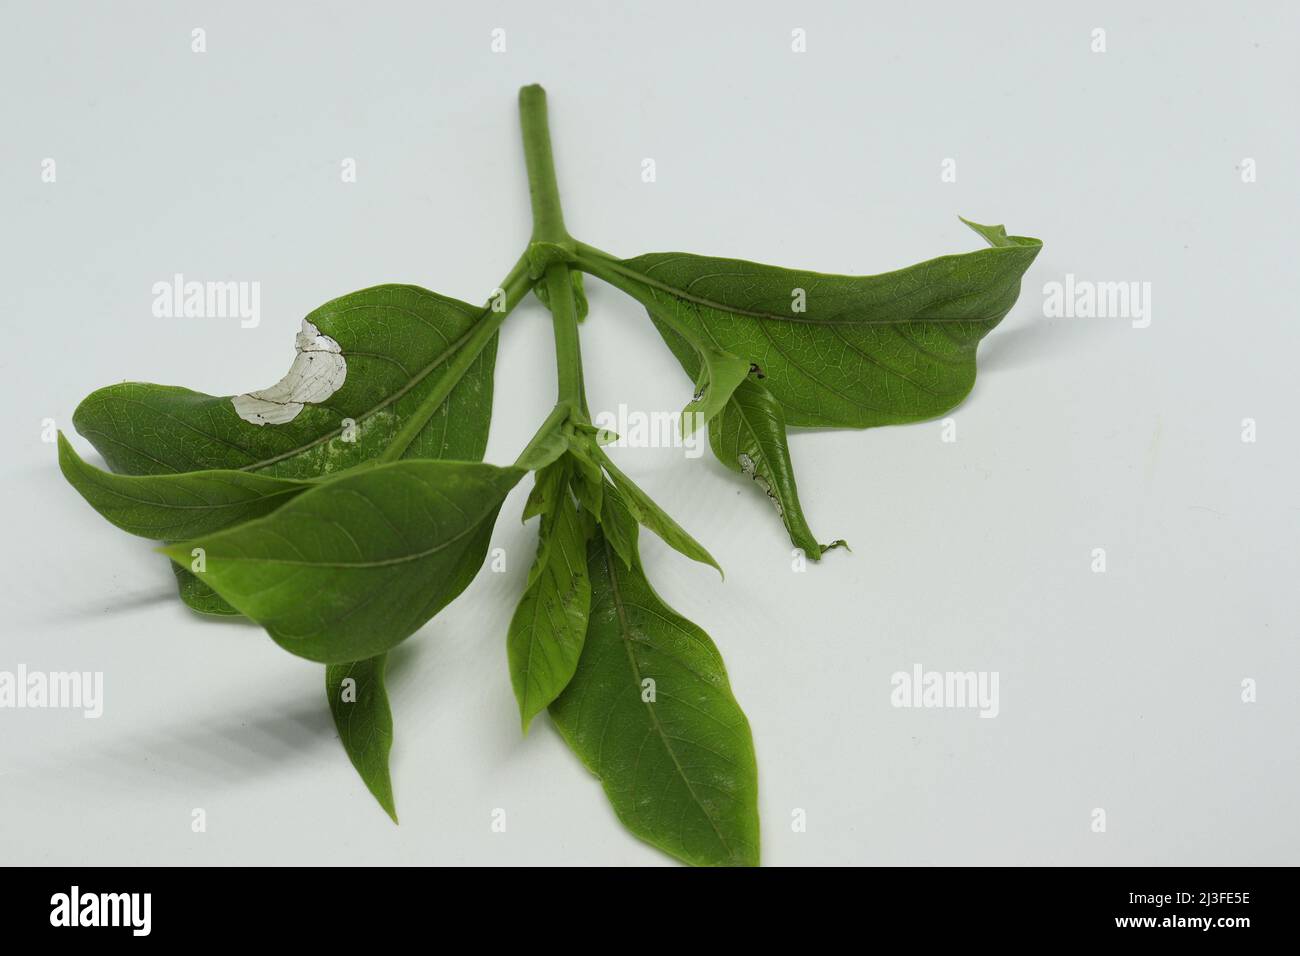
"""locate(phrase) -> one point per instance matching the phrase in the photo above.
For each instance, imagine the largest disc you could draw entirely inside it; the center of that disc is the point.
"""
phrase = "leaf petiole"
(509, 294)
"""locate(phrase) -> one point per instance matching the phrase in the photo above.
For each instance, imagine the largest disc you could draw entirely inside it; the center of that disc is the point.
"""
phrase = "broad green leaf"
(650, 712)
(364, 363)
(400, 346)
(749, 437)
(359, 703)
(550, 622)
(173, 506)
(839, 351)
(355, 565)
(643, 508)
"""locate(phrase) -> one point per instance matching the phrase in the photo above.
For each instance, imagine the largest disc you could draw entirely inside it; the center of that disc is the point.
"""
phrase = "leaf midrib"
(794, 318)
(419, 377)
(470, 528)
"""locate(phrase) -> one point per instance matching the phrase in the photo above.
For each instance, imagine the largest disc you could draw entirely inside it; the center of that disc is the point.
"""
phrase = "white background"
(1119, 690)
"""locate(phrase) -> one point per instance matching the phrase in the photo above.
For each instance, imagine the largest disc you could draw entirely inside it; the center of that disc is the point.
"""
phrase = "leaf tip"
(177, 551)
(67, 454)
(993, 235)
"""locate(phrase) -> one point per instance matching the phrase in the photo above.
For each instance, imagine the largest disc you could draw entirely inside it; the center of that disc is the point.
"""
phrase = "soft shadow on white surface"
(258, 740)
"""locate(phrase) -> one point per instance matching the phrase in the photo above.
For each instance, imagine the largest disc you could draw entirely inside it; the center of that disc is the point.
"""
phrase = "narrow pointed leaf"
(650, 712)
(840, 351)
(359, 703)
(619, 526)
(352, 566)
(171, 506)
(749, 438)
(643, 508)
(550, 622)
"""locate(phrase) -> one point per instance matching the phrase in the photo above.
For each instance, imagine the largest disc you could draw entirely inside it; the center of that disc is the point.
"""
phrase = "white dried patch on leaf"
(317, 372)
(749, 468)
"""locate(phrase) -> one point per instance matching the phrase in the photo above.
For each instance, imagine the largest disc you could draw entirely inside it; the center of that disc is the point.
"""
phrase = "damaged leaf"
(400, 344)
(823, 350)
(345, 505)
(749, 437)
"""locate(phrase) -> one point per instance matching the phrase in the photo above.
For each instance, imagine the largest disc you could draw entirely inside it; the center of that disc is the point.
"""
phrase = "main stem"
(552, 247)
(548, 217)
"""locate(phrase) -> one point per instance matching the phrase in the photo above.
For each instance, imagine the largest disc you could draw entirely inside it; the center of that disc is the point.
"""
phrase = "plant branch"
(509, 294)
(552, 247)
(564, 319)
(548, 218)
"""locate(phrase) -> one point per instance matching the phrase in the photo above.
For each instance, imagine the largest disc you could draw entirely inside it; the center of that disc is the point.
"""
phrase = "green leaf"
(173, 506)
(550, 622)
(197, 596)
(359, 703)
(619, 526)
(718, 376)
(548, 483)
(650, 712)
(589, 476)
(387, 350)
(355, 565)
(865, 350)
(749, 438)
(643, 508)
(384, 333)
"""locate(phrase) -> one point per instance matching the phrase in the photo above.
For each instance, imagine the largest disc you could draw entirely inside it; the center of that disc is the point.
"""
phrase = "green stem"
(564, 320)
(511, 292)
(610, 269)
(551, 245)
(548, 218)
